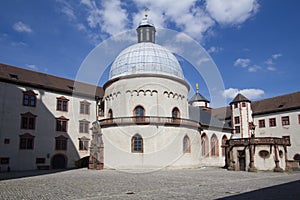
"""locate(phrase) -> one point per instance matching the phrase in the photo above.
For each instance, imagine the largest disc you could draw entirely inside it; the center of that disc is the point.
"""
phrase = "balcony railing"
(148, 120)
(260, 140)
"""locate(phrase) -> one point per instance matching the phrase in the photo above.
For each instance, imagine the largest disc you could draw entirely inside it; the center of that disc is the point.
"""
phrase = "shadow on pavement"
(284, 191)
(24, 174)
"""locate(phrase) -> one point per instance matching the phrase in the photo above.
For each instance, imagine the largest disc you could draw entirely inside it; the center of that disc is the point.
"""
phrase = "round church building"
(146, 123)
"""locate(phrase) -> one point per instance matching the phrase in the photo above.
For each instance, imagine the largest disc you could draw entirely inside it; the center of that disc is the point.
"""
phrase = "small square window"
(40, 161)
(261, 123)
(62, 104)
(62, 124)
(243, 104)
(4, 161)
(84, 126)
(6, 141)
(85, 107)
(237, 129)
(61, 143)
(236, 120)
(272, 122)
(83, 145)
(285, 120)
(29, 98)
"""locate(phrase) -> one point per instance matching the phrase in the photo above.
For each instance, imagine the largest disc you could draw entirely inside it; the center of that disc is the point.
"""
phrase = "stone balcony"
(148, 120)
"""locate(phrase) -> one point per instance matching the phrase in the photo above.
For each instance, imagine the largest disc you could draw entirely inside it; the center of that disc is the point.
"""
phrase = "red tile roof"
(271, 105)
(19, 76)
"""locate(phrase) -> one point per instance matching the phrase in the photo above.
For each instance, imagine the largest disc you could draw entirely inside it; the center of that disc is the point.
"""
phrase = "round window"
(264, 154)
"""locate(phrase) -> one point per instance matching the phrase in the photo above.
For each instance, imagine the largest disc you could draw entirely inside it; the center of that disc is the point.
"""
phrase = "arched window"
(110, 114)
(137, 144)
(139, 111)
(175, 113)
(214, 145)
(224, 139)
(204, 145)
(186, 144)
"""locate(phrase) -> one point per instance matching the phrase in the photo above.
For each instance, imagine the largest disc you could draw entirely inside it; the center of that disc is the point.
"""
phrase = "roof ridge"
(41, 73)
(276, 97)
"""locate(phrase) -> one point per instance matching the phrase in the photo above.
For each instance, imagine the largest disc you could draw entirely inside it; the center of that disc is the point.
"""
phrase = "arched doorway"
(59, 161)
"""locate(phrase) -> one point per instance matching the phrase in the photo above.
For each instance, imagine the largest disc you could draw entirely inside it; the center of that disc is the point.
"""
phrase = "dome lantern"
(146, 30)
(146, 57)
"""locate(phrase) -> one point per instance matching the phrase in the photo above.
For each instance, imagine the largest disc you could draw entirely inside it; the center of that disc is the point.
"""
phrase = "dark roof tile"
(198, 97)
(239, 98)
(39, 80)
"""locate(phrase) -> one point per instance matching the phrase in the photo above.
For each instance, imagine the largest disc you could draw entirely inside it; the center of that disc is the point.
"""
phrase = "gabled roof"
(39, 80)
(198, 97)
(277, 104)
(271, 105)
(221, 113)
(206, 119)
(239, 98)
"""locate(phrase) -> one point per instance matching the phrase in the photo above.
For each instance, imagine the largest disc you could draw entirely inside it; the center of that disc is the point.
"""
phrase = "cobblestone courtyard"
(204, 183)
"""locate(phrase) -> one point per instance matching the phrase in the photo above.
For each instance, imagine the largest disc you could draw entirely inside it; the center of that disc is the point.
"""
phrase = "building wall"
(292, 130)
(158, 96)
(260, 163)
(162, 147)
(11, 108)
(245, 116)
(209, 159)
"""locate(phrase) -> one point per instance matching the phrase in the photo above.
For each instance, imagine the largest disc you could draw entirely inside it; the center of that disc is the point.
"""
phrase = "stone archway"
(59, 161)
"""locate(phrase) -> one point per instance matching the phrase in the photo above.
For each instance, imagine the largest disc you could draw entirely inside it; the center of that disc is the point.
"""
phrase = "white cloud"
(19, 44)
(269, 61)
(115, 19)
(186, 15)
(254, 68)
(270, 68)
(214, 49)
(248, 93)
(68, 10)
(34, 67)
(275, 56)
(242, 62)
(190, 16)
(21, 27)
(231, 12)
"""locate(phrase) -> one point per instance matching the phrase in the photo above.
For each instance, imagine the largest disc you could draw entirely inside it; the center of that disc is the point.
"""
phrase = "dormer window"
(14, 76)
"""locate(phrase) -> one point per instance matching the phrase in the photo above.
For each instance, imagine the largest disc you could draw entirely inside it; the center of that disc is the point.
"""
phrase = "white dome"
(145, 58)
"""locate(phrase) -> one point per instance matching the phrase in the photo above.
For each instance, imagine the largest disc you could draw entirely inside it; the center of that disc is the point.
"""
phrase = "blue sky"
(254, 43)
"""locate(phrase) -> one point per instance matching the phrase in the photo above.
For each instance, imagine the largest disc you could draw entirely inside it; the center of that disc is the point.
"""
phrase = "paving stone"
(203, 183)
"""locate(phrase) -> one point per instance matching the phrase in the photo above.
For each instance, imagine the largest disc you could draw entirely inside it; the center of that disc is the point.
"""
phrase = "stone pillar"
(252, 167)
(277, 167)
(287, 167)
(231, 161)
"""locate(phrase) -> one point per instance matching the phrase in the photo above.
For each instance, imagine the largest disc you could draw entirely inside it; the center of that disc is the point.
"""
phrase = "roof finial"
(146, 12)
(197, 87)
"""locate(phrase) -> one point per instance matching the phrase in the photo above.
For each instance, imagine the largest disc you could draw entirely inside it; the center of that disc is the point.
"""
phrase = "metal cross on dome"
(146, 11)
